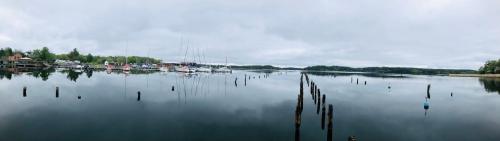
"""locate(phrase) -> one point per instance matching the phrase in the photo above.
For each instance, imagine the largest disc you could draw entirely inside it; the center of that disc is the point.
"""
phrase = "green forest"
(45, 55)
(490, 67)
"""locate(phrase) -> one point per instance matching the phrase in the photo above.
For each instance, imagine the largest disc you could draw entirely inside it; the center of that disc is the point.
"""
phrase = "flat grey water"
(211, 107)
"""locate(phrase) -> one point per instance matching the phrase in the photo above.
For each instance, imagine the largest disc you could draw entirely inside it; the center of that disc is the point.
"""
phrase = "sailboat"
(224, 69)
(126, 67)
(203, 68)
(185, 66)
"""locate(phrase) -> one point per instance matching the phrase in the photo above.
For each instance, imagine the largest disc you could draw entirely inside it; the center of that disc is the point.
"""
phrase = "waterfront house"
(14, 58)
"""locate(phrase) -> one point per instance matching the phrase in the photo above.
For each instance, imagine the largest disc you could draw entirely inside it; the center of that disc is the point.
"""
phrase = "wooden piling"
(323, 117)
(173, 88)
(24, 91)
(324, 97)
(330, 123)
(428, 91)
(318, 107)
(236, 82)
(319, 101)
(298, 120)
(365, 82)
(357, 81)
(139, 96)
(57, 92)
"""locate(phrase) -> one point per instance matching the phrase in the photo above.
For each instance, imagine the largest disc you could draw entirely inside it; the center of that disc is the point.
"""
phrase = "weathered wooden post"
(245, 79)
(330, 123)
(298, 118)
(57, 92)
(323, 117)
(312, 87)
(24, 91)
(139, 96)
(324, 97)
(319, 101)
(236, 82)
(428, 91)
(301, 85)
(319, 96)
(357, 81)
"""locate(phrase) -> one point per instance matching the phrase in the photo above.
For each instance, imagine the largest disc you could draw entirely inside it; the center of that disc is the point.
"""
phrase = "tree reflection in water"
(490, 84)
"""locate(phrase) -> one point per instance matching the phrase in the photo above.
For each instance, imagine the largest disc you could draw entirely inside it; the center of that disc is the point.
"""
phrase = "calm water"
(211, 107)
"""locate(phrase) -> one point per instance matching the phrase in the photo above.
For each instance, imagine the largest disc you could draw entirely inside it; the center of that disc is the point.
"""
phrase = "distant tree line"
(45, 55)
(395, 70)
(490, 67)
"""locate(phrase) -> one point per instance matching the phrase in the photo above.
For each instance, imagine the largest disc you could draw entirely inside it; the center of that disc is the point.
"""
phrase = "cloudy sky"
(357, 33)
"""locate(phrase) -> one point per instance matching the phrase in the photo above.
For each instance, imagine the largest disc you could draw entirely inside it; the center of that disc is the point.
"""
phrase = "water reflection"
(490, 84)
(374, 75)
(260, 111)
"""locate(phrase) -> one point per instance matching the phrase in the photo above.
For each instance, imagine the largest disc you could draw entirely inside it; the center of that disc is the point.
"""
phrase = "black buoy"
(79, 97)
(451, 94)
(365, 82)
(173, 88)
(57, 92)
(139, 96)
(24, 91)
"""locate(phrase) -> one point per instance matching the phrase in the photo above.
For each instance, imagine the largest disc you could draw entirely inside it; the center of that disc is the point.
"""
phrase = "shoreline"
(475, 75)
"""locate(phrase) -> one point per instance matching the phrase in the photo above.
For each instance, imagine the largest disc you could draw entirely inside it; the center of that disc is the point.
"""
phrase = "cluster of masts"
(189, 68)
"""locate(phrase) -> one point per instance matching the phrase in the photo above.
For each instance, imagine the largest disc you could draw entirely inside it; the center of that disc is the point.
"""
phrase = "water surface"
(214, 107)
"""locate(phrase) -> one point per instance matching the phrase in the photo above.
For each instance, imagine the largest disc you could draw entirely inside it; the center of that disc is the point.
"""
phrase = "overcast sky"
(357, 33)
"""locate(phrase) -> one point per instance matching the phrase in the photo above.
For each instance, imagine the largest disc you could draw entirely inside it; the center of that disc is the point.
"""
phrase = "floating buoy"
(79, 97)
(426, 105)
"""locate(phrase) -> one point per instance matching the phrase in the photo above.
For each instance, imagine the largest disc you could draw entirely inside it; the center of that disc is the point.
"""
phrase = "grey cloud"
(430, 33)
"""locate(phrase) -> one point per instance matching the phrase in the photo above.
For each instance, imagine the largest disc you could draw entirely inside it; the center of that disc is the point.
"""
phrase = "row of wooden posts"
(139, 92)
(320, 101)
(25, 93)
